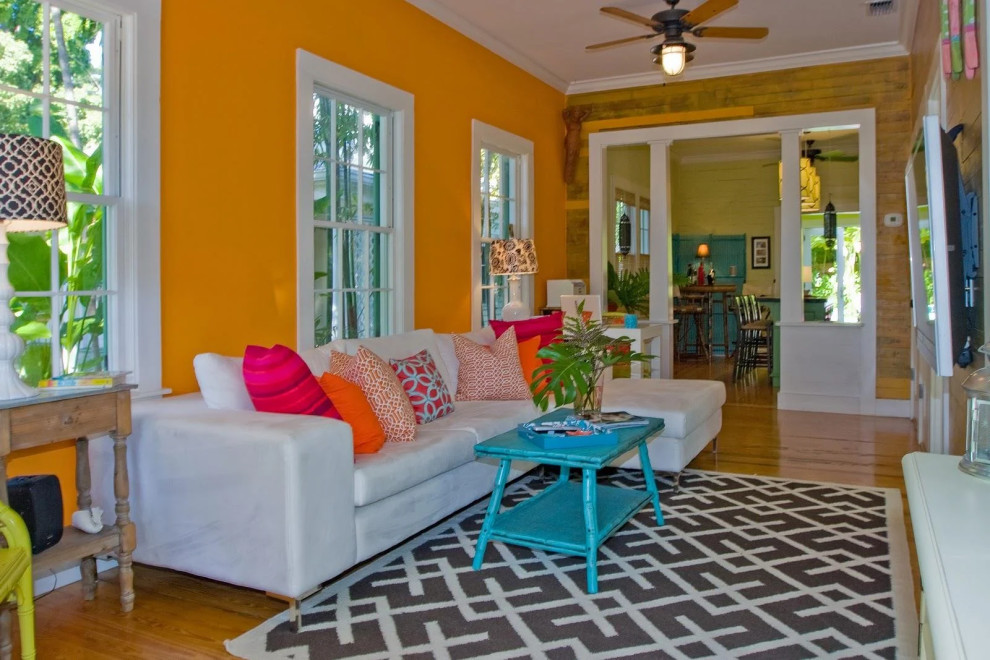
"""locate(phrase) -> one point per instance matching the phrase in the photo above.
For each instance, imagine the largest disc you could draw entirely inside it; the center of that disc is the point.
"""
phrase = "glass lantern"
(976, 460)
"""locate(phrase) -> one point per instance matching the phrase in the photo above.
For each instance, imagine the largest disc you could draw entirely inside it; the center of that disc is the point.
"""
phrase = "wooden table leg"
(84, 501)
(125, 527)
(493, 506)
(590, 496)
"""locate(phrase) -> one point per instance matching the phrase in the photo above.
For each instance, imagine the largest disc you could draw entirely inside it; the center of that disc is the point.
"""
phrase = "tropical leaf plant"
(578, 361)
(631, 291)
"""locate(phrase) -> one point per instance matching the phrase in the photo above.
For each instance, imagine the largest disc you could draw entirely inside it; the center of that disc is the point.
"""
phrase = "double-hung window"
(354, 221)
(77, 289)
(502, 199)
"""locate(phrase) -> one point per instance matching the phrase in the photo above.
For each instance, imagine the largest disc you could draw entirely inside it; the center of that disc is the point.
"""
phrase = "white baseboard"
(44, 584)
(846, 405)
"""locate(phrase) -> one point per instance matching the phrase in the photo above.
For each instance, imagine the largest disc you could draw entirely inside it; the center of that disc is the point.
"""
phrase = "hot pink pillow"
(279, 381)
(420, 378)
(547, 327)
(492, 373)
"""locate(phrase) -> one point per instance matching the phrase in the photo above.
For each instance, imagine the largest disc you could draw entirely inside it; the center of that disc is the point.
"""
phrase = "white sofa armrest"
(261, 500)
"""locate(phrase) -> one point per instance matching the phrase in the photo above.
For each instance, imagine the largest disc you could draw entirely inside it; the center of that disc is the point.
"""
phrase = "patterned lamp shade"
(32, 184)
(513, 256)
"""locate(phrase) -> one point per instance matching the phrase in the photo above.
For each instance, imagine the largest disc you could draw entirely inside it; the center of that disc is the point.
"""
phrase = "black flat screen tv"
(935, 244)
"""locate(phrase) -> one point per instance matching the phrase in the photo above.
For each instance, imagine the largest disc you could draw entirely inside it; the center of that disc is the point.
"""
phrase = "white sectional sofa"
(280, 503)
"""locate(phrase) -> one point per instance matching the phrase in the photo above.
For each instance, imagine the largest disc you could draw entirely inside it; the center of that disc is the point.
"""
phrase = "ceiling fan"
(834, 155)
(674, 53)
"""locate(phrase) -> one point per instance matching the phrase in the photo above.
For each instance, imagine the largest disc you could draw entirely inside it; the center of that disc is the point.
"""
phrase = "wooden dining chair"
(16, 583)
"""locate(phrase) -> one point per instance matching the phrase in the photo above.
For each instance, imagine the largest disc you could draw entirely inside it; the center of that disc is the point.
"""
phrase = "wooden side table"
(54, 416)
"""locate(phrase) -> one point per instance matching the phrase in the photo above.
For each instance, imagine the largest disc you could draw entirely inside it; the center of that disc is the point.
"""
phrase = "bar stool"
(754, 344)
(686, 309)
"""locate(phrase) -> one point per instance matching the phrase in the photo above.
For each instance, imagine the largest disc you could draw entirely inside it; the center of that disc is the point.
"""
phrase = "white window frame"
(314, 72)
(134, 336)
(486, 136)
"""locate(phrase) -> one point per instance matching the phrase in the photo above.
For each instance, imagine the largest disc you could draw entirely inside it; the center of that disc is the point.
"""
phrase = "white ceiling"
(548, 37)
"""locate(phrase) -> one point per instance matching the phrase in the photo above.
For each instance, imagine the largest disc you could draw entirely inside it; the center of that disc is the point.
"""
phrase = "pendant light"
(830, 222)
(673, 55)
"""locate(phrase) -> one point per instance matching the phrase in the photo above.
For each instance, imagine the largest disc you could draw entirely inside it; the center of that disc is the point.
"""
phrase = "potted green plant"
(630, 291)
(577, 364)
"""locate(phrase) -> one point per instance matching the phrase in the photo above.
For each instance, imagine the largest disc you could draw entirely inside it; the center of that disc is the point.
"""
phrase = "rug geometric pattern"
(745, 567)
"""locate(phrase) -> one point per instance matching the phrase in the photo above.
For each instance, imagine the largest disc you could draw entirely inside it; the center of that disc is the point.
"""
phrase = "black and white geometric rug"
(745, 567)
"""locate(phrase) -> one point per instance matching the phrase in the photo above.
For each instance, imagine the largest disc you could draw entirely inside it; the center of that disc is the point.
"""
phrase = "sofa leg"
(295, 615)
(715, 445)
(677, 481)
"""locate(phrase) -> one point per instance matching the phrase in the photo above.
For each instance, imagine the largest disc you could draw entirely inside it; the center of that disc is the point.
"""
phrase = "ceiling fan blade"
(706, 11)
(731, 32)
(635, 18)
(837, 158)
(607, 44)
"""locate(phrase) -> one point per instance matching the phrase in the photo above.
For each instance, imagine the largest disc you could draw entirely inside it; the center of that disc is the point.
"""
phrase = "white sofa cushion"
(401, 465)
(683, 404)
(395, 347)
(221, 381)
(440, 446)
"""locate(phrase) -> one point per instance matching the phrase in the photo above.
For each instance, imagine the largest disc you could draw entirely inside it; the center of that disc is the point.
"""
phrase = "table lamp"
(32, 198)
(701, 254)
(514, 257)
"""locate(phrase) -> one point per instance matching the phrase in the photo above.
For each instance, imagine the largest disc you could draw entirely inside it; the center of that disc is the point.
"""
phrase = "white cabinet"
(949, 514)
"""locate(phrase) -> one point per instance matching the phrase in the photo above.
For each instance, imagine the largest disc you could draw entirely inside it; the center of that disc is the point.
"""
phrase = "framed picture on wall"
(760, 252)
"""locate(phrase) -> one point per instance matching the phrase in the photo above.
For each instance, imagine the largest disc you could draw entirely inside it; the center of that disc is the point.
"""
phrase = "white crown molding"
(500, 48)
(836, 56)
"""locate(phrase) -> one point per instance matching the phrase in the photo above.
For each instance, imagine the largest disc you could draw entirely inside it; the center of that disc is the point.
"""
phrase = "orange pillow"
(527, 357)
(354, 408)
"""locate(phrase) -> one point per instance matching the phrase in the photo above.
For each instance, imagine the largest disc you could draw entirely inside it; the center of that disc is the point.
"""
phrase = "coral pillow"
(421, 380)
(491, 373)
(345, 366)
(386, 396)
(278, 380)
(527, 357)
(350, 401)
(546, 327)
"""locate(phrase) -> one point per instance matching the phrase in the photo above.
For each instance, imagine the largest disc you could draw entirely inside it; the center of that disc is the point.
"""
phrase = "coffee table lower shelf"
(553, 520)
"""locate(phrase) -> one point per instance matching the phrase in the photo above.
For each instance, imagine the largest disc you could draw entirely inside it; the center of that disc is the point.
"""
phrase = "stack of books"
(95, 380)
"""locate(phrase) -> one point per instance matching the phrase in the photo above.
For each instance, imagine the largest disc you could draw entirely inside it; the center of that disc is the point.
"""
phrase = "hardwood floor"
(180, 616)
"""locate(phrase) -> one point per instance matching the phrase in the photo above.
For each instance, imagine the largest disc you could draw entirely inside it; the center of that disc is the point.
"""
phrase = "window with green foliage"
(58, 79)
(835, 271)
(499, 219)
(352, 235)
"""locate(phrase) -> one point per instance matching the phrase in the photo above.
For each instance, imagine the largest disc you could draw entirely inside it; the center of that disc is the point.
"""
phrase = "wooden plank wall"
(882, 84)
(963, 106)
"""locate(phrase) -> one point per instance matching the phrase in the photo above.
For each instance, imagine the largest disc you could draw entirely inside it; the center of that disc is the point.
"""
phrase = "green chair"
(16, 583)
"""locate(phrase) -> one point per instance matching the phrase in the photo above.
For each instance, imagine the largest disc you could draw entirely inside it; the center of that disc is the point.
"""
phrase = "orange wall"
(228, 160)
(228, 168)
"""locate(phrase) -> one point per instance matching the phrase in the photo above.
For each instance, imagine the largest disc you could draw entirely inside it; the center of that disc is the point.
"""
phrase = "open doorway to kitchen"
(767, 208)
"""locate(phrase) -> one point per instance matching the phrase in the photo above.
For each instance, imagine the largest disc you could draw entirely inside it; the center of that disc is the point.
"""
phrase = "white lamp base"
(515, 309)
(11, 386)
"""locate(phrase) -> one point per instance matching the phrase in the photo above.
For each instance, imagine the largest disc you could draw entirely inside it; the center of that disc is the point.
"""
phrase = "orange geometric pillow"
(386, 396)
(490, 373)
(527, 357)
(345, 366)
(353, 406)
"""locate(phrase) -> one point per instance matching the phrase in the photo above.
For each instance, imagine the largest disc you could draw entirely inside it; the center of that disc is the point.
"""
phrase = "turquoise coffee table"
(569, 518)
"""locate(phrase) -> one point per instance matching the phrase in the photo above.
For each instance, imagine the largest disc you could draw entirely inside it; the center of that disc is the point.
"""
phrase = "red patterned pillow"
(547, 327)
(278, 380)
(386, 396)
(420, 378)
(490, 373)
